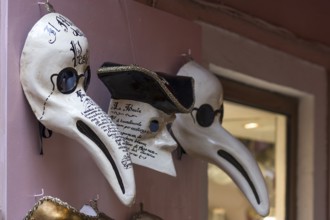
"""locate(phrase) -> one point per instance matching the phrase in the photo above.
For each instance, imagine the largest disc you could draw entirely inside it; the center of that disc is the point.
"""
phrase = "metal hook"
(188, 55)
(49, 7)
(97, 198)
(40, 194)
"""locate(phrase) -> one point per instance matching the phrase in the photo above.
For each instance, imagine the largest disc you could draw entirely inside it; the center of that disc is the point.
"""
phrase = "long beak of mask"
(204, 137)
(95, 130)
(54, 75)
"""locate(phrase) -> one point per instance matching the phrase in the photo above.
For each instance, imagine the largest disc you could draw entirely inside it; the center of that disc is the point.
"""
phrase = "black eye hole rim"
(154, 125)
(65, 86)
(205, 115)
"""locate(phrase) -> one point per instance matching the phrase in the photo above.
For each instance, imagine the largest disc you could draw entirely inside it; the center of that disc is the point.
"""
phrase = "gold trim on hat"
(162, 82)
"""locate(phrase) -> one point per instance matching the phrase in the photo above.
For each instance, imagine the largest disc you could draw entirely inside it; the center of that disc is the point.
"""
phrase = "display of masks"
(55, 74)
(201, 135)
(143, 103)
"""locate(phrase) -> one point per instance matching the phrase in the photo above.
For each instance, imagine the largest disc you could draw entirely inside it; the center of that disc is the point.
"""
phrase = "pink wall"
(119, 31)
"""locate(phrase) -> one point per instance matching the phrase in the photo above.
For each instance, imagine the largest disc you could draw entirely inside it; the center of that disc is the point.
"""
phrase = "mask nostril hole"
(154, 126)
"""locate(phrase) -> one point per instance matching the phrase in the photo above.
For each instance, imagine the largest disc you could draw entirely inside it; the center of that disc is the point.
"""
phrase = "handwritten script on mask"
(133, 124)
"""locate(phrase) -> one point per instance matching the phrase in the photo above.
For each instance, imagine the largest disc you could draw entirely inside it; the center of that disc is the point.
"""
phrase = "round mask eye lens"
(87, 76)
(67, 80)
(205, 115)
(154, 126)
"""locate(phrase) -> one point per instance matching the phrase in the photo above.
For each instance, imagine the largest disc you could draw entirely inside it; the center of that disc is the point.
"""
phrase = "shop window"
(265, 122)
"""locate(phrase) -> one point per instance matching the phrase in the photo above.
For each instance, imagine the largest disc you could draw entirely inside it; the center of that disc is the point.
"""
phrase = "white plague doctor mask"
(201, 135)
(142, 104)
(54, 75)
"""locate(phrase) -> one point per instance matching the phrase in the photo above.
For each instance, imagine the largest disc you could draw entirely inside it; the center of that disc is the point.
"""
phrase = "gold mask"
(49, 208)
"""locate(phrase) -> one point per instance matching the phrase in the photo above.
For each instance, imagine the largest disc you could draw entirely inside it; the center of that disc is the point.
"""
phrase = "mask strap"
(43, 133)
(221, 112)
(179, 151)
(191, 113)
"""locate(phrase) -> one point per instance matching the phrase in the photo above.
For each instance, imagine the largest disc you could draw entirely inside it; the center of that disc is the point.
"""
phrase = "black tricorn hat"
(169, 93)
